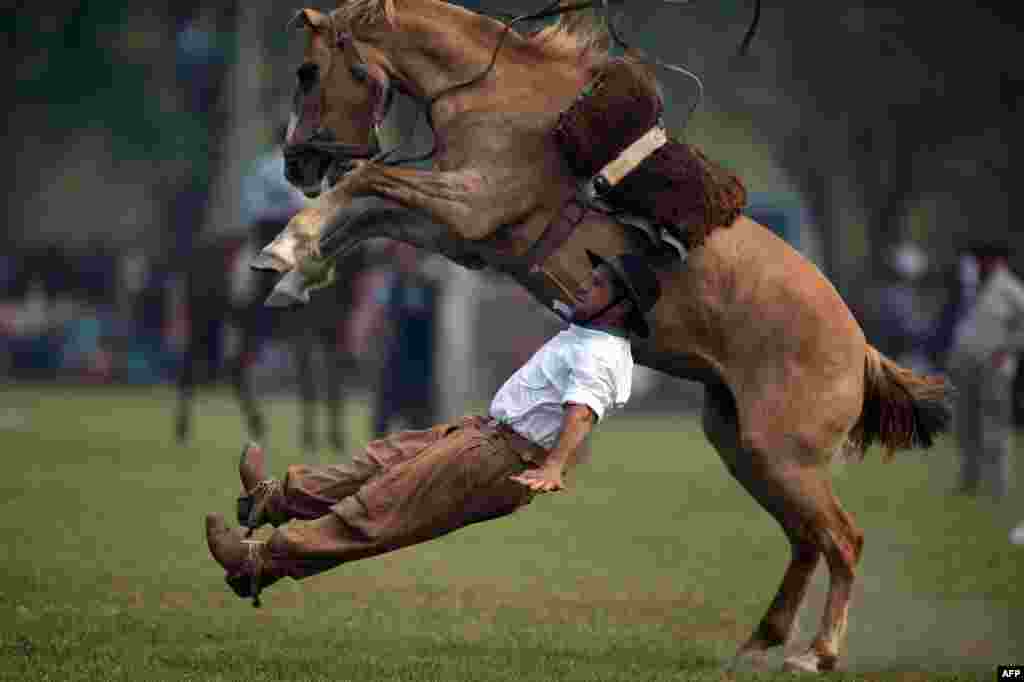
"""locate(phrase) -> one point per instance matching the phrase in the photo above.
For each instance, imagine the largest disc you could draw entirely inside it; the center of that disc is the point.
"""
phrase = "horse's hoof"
(289, 291)
(279, 255)
(808, 662)
(268, 263)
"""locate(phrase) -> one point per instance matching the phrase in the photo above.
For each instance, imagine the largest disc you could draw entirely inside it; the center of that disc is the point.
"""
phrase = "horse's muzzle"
(305, 168)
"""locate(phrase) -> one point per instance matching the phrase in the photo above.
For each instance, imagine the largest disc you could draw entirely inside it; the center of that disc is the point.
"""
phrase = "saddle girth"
(572, 213)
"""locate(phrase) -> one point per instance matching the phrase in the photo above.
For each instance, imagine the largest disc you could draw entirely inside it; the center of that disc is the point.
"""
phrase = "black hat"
(640, 284)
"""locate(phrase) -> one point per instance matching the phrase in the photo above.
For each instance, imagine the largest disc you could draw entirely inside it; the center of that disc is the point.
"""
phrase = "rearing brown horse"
(790, 380)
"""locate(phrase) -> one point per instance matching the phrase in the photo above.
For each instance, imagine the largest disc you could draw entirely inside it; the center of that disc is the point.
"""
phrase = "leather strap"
(633, 155)
(572, 214)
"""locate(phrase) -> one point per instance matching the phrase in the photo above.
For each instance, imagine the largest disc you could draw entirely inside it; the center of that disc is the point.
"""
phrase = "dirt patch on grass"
(892, 626)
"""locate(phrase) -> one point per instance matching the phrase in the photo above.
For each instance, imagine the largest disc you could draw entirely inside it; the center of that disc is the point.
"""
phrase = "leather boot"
(258, 491)
(247, 562)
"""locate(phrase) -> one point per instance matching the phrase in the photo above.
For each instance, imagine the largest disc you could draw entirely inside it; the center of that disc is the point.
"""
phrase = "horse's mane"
(356, 13)
(579, 34)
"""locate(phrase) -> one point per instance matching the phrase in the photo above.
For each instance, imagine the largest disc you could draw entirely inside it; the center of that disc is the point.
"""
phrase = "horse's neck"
(438, 46)
(432, 45)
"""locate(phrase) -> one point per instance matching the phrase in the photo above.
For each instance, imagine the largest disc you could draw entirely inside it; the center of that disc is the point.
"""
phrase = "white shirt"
(266, 193)
(579, 365)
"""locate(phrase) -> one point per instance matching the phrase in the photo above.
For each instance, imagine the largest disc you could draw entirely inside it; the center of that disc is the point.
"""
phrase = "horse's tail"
(902, 409)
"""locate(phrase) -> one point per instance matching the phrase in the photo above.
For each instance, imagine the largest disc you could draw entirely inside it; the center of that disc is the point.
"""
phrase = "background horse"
(210, 306)
(790, 380)
(322, 325)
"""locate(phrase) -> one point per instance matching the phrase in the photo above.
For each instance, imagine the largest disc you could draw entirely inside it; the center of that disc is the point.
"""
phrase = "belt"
(523, 446)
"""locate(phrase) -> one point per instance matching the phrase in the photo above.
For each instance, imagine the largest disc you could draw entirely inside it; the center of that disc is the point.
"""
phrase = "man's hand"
(576, 424)
(543, 480)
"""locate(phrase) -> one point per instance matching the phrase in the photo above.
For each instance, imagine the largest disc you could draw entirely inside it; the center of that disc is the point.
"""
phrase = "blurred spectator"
(896, 322)
(202, 50)
(9, 271)
(983, 365)
(96, 274)
(407, 388)
(144, 286)
(962, 292)
(268, 200)
(201, 65)
(1018, 397)
(32, 343)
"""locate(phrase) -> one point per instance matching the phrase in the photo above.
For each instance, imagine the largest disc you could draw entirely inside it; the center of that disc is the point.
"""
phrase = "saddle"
(613, 138)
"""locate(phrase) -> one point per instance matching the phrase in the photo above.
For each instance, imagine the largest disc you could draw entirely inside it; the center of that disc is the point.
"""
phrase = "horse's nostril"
(307, 74)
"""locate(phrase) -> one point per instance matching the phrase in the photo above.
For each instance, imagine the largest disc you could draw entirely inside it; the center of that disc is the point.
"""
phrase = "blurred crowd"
(919, 307)
(98, 316)
(966, 321)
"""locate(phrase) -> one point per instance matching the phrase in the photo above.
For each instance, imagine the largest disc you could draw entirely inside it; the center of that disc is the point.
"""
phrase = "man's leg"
(459, 480)
(996, 407)
(967, 426)
(308, 492)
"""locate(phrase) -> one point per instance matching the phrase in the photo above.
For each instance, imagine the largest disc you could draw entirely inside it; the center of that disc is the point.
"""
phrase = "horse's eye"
(360, 73)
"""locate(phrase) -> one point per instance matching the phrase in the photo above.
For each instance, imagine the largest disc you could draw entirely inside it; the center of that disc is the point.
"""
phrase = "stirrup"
(252, 507)
(246, 586)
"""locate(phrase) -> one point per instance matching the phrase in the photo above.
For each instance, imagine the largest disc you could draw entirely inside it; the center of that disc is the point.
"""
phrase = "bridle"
(341, 155)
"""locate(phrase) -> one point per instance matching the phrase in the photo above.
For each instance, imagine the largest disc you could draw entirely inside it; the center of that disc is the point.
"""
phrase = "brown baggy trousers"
(403, 489)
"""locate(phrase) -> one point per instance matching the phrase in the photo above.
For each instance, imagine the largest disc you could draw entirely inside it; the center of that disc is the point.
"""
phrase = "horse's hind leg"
(797, 494)
(841, 541)
(241, 369)
(722, 430)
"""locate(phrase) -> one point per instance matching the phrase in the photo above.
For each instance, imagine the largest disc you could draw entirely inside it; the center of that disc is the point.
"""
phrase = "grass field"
(653, 567)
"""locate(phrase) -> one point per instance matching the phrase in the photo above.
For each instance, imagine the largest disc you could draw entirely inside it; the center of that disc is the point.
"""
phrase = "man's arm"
(577, 423)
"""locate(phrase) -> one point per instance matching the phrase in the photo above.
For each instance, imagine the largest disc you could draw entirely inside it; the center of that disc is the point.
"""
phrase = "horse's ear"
(312, 19)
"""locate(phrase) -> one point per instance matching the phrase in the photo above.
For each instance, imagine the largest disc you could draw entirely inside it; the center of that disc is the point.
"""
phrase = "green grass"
(653, 567)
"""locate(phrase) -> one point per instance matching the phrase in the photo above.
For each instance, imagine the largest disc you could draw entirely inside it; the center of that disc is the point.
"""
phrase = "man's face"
(594, 295)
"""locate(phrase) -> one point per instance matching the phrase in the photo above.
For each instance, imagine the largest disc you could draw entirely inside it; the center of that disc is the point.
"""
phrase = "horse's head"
(339, 97)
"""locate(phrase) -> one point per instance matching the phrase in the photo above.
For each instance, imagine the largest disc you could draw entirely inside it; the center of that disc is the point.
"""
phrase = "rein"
(344, 154)
(551, 10)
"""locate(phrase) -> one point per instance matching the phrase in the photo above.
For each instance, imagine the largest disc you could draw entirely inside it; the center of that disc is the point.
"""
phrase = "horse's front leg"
(454, 199)
(463, 200)
(330, 234)
(299, 240)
